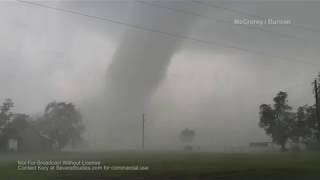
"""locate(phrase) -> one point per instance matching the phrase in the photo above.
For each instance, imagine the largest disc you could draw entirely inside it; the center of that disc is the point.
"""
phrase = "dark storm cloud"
(109, 69)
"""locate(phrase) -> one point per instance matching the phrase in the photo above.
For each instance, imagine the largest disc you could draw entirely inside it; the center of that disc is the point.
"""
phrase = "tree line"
(59, 126)
(284, 125)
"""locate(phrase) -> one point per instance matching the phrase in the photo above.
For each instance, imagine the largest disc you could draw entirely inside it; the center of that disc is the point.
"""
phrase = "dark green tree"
(277, 120)
(62, 122)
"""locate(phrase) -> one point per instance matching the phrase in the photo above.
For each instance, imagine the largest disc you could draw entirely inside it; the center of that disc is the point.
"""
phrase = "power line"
(293, 86)
(168, 34)
(222, 21)
(273, 1)
(250, 14)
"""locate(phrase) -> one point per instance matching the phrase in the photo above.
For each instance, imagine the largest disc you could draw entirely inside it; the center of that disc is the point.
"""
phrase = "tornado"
(138, 67)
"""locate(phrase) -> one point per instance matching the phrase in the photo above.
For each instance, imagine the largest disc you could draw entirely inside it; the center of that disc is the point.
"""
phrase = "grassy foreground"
(173, 166)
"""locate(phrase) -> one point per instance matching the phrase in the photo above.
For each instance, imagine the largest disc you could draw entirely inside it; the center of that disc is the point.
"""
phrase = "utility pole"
(143, 131)
(316, 92)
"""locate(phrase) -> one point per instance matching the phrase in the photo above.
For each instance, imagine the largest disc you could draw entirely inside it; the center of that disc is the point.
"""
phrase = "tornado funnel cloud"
(138, 66)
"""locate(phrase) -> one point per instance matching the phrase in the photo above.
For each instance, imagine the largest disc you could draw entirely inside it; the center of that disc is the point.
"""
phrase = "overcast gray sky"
(208, 74)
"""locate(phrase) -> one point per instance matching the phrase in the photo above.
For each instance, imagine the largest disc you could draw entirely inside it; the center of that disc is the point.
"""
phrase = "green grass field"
(173, 165)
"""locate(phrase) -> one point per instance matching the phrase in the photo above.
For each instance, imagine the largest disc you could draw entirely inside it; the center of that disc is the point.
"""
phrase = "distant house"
(12, 144)
(27, 140)
(261, 145)
(188, 148)
(191, 148)
(8, 141)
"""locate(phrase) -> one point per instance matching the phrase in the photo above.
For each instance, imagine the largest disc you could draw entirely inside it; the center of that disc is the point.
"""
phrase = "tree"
(303, 128)
(16, 125)
(5, 116)
(187, 135)
(10, 123)
(277, 120)
(5, 112)
(62, 122)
